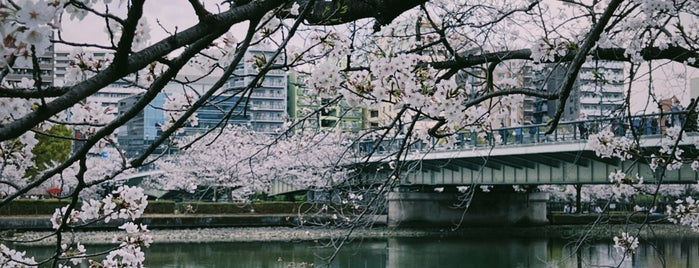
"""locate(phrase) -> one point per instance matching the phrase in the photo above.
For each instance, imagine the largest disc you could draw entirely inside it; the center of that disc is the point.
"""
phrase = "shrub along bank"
(31, 207)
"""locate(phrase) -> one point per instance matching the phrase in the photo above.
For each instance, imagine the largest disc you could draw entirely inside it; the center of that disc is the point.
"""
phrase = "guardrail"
(640, 125)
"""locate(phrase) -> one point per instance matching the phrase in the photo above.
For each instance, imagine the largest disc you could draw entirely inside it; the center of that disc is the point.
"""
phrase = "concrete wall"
(486, 209)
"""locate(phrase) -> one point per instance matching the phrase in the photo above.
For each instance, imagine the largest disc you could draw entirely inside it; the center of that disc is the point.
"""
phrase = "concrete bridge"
(552, 162)
(526, 155)
(559, 158)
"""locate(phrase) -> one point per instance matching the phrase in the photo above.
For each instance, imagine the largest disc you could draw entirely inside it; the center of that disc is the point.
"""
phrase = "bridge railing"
(567, 131)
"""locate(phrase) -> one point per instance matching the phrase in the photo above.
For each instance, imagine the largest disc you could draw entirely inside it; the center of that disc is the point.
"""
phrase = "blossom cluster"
(685, 212)
(607, 145)
(669, 155)
(353, 199)
(75, 253)
(626, 243)
(546, 50)
(16, 156)
(129, 253)
(175, 106)
(624, 185)
(28, 26)
(13, 258)
(249, 162)
(619, 177)
(89, 117)
(123, 203)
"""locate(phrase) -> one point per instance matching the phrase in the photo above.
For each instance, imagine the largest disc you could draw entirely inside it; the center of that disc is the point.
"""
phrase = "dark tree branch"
(49, 92)
(673, 53)
(126, 41)
(342, 11)
(136, 61)
(383, 10)
(572, 72)
(199, 9)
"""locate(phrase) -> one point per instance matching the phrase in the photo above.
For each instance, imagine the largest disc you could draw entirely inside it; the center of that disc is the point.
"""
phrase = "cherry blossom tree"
(400, 56)
(245, 162)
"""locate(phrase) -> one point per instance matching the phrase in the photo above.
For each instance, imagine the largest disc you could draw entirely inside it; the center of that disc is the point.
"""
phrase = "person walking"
(583, 126)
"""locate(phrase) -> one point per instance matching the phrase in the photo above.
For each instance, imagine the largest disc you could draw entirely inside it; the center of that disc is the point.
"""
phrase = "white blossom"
(14, 258)
(294, 9)
(626, 243)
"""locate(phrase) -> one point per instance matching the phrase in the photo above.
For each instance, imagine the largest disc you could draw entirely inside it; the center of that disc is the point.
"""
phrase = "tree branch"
(342, 11)
(673, 53)
(572, 73)
(136, 61)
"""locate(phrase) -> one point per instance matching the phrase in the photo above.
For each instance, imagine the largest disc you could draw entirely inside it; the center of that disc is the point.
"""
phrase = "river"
(421, 252)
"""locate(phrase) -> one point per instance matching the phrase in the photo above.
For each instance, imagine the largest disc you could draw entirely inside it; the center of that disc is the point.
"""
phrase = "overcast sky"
(168, 14)
(178, 13)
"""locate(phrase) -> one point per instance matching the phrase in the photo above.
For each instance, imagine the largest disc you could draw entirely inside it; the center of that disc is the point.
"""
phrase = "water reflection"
(422, 252)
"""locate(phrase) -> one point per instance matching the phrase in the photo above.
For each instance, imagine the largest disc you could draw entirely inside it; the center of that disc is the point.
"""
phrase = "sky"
(168, 14)
(177, 14)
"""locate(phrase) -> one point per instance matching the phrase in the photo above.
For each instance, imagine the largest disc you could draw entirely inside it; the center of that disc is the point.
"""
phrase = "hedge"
(48, 206)
(32, 207)
(238, 208)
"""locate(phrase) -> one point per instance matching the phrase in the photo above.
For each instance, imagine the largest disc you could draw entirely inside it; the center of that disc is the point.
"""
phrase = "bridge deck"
(561, 162)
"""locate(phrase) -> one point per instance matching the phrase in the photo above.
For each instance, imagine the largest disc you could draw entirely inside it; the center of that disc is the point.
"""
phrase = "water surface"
(420, 252)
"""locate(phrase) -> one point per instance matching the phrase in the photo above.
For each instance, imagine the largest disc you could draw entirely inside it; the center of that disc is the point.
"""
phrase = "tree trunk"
(578, 204)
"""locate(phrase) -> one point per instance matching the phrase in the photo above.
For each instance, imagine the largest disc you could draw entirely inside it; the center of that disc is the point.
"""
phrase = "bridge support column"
(486, 209)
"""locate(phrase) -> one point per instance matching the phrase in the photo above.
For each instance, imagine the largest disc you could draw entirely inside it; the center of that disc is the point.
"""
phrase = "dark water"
(422, 252)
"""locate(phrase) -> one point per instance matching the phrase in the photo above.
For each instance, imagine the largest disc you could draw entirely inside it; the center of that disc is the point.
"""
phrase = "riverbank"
(290, 234)
(261, 228)
(193, 221)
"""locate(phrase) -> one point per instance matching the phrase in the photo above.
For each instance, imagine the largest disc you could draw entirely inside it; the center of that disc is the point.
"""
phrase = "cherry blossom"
(607, 145)
(13, 258)
(626, 243)
(685, 212)
(247, 162)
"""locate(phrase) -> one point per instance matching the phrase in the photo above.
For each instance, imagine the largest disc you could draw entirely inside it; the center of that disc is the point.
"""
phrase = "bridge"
(562, 157)
(521, 155)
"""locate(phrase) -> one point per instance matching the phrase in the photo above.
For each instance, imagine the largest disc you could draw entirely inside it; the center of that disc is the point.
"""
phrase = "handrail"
(576, 130)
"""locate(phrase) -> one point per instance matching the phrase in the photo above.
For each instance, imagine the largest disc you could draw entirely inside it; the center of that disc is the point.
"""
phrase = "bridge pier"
(413, 209)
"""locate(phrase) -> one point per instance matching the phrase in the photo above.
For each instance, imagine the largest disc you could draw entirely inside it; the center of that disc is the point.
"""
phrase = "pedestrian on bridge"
(518, 133)
(675, 110)
(583, 126)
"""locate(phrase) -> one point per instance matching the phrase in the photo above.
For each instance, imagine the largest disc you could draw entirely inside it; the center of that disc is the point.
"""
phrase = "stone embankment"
(238, 228)
(269, 234)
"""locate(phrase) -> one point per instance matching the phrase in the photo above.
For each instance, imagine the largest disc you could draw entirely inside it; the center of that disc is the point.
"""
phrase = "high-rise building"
(263, 109)
(23, 69)
(506, 76)
(515, 75)
(598, 91)
(107, 96)
(140, 132)
(303, 105)
(266, 104)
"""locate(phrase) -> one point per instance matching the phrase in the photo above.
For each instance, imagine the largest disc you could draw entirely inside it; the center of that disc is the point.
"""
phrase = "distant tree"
(245, 162)
(53, 147)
